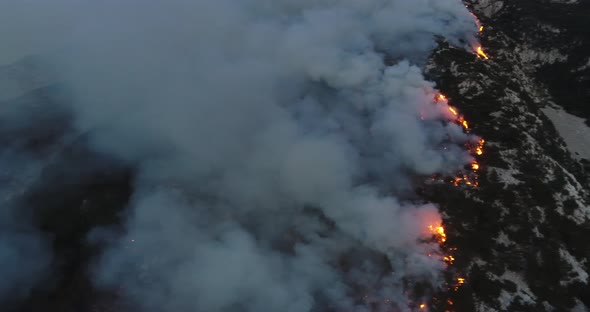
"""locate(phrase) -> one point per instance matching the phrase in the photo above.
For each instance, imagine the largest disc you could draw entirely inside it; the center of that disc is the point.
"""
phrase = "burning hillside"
(258, 157)
(530, 203)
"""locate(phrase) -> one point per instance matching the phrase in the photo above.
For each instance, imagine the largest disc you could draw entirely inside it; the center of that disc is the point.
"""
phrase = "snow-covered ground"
(574, 131)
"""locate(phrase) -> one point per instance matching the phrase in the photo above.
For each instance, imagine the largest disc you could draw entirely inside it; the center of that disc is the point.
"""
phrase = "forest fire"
(439, 233)
(479, 50)
(475, 148)
(468, 177)
(460, 119)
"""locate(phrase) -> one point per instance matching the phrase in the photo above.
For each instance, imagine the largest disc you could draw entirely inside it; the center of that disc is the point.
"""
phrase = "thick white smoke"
(275, 148)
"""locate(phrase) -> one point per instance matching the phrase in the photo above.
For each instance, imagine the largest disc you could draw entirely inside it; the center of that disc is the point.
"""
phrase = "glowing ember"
(475, 166)
(449, 259)
(481, 28)
(481, 53)
(422, 306)
(460, 281)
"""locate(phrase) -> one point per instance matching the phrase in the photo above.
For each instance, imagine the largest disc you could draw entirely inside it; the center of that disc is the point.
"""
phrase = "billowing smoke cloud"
(24, 254)
(275, 147)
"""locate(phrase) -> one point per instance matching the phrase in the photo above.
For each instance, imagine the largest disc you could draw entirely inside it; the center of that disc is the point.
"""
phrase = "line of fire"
(467, 178)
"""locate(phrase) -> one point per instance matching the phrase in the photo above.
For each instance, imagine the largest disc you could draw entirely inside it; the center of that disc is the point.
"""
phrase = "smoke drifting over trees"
(273, 148)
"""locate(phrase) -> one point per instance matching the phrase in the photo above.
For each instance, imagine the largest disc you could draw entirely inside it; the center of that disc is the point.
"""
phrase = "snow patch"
(573, 130)
(580, 307)
(522, 289)
(579, 274)
(531, 55)
(488, 7)
(503, 239)
(507, 176)
(565, 1)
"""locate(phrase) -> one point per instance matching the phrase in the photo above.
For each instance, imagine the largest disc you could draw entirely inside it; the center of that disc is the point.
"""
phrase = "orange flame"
(454, 111)
(479, 148)
(422, 306)
(481, 53)
(440, 231)
(460, 281)
(465, 125)
(481, 28)
(475, 166)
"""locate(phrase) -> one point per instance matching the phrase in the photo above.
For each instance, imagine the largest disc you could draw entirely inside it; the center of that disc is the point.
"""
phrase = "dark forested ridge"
(553, 38)
(519, 235)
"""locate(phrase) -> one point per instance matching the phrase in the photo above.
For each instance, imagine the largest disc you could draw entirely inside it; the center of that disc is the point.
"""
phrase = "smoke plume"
(275, 147)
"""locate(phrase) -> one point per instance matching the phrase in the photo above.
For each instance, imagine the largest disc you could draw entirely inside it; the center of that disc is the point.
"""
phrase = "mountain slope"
(520, 235)
(518, 239)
